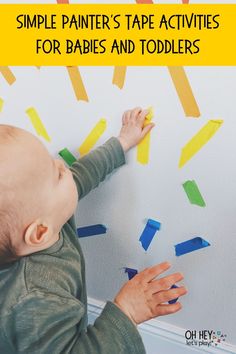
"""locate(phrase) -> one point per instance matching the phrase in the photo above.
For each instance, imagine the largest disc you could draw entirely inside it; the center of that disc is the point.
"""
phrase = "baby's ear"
(37, 234)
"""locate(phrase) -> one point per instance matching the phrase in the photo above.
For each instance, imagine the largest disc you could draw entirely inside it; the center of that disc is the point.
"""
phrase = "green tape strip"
(193, 193)
(67, 156)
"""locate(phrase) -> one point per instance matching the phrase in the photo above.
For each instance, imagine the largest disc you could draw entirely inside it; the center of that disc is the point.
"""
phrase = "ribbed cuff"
(125, 326)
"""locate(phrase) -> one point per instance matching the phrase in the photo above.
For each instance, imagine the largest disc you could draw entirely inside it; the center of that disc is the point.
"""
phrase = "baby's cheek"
(74, 196)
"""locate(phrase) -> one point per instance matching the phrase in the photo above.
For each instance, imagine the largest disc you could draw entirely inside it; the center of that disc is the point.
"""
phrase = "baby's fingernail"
(185, 290)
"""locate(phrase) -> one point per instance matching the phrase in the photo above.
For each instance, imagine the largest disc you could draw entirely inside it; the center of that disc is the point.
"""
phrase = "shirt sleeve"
(91, 169)
(47, 323)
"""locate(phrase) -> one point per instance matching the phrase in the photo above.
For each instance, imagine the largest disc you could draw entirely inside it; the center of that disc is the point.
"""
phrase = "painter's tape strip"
(119, 75)
(7, 74)
(1, 104)
(193, 193)
(190, 246)
(184, 91)
(149, 116)
(67, 156)
(77, 83)
(199, 140)
(148, 233)
(93, 137)
(174, 300)
(131, 272)
(143, 147)
(91, 230)
(37, 123)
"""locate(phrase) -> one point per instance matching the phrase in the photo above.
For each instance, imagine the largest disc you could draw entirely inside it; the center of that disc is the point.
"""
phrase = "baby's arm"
(47, 323)
(93, 168)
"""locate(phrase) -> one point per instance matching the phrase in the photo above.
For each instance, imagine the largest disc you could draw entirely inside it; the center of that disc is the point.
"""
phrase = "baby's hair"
(7, 251)
(8, 213)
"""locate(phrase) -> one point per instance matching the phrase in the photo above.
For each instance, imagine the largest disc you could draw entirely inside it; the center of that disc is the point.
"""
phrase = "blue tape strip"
(148, 233)
(92, 230)
(190, 246)
(131, 272)
(174, 300)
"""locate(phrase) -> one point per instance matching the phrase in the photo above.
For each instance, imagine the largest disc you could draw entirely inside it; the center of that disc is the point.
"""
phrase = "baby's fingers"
(141, 117)
(147, 129)
(126, 117)
(168, 295)
(165, 309)
(151, 273)
(165, 283)
(134, 113)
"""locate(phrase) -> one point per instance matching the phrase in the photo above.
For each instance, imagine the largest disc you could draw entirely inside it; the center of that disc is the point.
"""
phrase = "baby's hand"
(144, 297)
(133, 129)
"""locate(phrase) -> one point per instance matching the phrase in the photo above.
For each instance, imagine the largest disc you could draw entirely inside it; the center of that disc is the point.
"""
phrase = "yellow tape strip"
(77, 83)
(119, 76)
(143, 147)
(37, 123)
(199, 140)
(184, 91)
(93, 137)
(1, 104)
(7, 74)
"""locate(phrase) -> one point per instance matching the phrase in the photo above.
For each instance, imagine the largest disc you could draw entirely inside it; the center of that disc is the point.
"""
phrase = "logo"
(204, 338)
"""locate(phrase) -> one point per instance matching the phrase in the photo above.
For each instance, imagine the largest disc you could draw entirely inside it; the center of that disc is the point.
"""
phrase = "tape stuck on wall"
(131, 272)
(7, 74)
(91, 230)
(37, 123)
(1, 104)
(93, 137)
(67, 156)
(199, 140)
(193, 193)
(148, 233)
(191, 245)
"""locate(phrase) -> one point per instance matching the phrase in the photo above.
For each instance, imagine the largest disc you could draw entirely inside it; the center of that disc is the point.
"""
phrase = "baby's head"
(37, 195)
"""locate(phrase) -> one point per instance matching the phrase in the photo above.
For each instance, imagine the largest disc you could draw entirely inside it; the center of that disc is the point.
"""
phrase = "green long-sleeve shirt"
(43, 301)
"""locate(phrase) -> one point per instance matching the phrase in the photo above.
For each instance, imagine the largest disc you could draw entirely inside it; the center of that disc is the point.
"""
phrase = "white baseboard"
(157, 334)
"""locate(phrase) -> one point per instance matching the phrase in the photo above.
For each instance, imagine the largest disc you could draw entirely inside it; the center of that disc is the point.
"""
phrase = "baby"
(43, 302)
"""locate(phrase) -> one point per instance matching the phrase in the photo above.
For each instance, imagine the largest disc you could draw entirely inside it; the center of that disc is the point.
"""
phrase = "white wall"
(137, 192)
